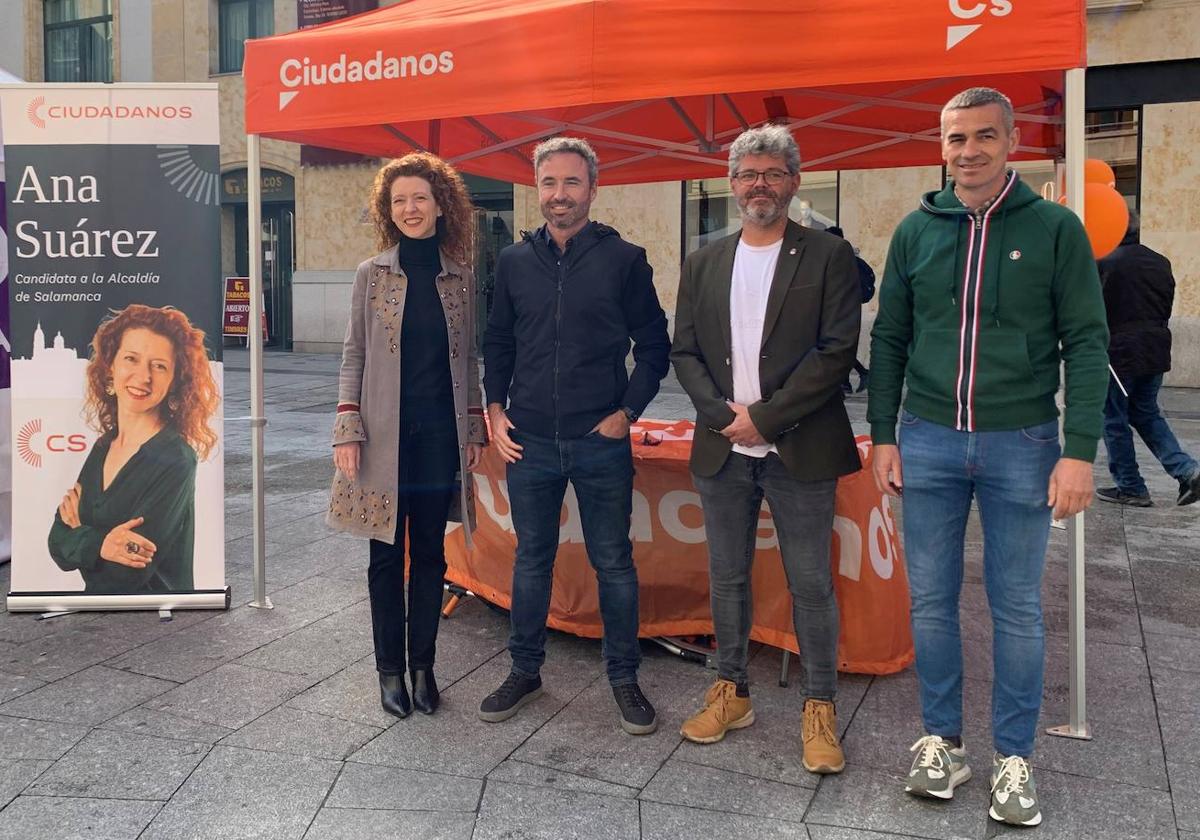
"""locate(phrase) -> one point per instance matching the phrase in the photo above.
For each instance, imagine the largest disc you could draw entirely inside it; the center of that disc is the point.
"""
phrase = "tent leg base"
(1080, 733)
(264, 604)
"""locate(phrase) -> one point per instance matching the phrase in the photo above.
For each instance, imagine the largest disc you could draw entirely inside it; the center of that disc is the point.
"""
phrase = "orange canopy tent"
(661, 87)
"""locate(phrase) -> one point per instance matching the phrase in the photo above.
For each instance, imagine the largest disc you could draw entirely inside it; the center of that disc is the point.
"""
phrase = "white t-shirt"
(753, 271)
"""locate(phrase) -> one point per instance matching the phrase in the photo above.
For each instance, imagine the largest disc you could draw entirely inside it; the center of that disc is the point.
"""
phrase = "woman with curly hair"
(409, 424)
(128, 524)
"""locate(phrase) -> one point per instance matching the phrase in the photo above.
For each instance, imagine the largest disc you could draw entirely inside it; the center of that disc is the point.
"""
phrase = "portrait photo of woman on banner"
(128, 523)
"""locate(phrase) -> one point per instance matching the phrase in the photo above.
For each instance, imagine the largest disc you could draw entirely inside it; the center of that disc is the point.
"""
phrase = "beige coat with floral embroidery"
(369, 394)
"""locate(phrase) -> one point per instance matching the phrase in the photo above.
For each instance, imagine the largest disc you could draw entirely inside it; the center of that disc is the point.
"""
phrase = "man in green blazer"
(766, 329)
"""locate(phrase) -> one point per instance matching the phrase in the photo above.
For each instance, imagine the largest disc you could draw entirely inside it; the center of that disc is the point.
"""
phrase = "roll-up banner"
(114, 293)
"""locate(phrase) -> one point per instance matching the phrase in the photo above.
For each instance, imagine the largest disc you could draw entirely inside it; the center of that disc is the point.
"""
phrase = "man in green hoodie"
(987, 289)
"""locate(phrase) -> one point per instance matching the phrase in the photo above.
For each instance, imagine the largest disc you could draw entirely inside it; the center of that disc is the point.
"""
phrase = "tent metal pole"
(1077, 725)
(258, 419)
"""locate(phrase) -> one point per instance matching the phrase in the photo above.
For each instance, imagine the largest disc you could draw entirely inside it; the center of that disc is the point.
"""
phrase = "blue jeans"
(1140, 410)
(1008, 473)
(601, 471)
(803, 516)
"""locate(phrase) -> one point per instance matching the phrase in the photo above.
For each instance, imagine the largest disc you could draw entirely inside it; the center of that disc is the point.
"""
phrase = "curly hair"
(192, 397)
(457, 224)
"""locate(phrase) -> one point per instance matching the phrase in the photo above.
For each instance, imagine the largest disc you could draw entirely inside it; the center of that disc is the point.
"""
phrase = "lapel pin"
(792, 252)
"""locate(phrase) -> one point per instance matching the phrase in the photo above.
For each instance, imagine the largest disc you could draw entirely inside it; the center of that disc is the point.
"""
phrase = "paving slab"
(285, 730)
(393, 788)
(1176, 652)
(184, 656)
(586, 737)
(692, 785)
(120, 765)
(230, 696)
(520, 772)
(1175, 690)
(535, 813)
(322, 648)
(420, 742)
(13, 686)
(826, 832)
(351, 824)
(1078, 808)
(1185, 789)
(88, 697)
(865, 798)
(16, 774)
(888, 721)
(1180, 736)
(352, 694)
(58, 818)
(240, 794)
(61, 654)
(143, 721)
(25, 738)
(673, 822)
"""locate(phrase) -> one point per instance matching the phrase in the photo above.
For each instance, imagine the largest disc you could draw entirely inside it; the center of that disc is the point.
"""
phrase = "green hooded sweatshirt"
(976, 311)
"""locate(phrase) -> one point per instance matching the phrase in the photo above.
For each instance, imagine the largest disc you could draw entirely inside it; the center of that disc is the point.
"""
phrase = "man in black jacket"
(1139, 290)
(569, 298)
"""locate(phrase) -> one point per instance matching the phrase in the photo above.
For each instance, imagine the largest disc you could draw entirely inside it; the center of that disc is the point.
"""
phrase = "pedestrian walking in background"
(866, 285)
(1139, 291)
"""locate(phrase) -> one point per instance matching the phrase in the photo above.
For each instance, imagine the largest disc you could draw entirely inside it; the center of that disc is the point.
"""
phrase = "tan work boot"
(723, 710)
(822, 752)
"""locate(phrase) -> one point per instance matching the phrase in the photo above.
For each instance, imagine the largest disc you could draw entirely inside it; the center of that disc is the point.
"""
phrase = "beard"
(568, 219)
(763, 215)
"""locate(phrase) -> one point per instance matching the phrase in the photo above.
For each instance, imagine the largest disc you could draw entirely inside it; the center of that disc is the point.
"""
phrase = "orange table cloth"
(671, 554)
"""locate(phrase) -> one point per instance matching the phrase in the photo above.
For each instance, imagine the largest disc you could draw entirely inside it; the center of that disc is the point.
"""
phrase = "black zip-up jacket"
(1139, 291)
(561, 327)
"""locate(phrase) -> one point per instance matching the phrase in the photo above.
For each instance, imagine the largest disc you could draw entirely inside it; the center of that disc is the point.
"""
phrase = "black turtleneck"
(426, 387)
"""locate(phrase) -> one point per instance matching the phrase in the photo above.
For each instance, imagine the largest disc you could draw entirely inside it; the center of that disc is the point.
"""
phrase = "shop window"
(710, 211)
(78, 40)
(237, 21)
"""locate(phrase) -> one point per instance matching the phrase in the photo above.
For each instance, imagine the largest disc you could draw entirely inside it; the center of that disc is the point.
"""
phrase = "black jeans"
(803, 515)
(428, 465)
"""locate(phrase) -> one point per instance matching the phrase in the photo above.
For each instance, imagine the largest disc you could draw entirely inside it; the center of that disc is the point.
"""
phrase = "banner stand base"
(1081, 733)
(64, 602)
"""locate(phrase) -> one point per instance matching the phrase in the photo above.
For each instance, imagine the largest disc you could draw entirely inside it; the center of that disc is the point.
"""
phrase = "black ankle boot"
(393, 695)
(425, 691)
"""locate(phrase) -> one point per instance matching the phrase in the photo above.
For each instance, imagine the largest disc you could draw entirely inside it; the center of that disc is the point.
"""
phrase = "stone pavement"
(247, 724)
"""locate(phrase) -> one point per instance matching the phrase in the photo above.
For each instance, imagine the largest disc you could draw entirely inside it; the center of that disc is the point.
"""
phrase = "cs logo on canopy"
(971, 10)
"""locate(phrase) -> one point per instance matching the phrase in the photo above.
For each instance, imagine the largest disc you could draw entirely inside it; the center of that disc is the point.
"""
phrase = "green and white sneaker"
(1014, 797)
(938, 769)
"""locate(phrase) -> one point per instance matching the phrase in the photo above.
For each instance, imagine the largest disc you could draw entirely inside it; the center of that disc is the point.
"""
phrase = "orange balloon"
(1105, 216)
(1096, 171)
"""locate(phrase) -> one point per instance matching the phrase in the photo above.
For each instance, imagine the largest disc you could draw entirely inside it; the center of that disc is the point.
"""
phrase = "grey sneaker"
(1014, 797)
(938, 769)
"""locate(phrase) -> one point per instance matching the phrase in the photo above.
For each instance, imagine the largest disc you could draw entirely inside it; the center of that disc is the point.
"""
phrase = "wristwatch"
(629, 413)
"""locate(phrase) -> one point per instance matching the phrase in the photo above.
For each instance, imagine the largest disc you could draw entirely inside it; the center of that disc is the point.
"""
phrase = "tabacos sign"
(979, 11)
(295, 74)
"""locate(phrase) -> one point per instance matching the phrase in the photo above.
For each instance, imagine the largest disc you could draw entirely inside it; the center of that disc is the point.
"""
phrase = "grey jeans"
(803, 515)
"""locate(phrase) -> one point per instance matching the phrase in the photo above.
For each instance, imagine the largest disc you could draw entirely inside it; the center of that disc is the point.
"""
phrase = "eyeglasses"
(751, 176)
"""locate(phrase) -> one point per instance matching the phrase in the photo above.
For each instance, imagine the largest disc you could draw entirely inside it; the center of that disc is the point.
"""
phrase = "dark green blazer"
(158, 483)
(810, 338)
